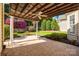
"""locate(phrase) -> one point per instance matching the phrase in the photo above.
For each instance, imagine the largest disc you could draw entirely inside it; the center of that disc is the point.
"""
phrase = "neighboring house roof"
(62, 17)
(62, 20)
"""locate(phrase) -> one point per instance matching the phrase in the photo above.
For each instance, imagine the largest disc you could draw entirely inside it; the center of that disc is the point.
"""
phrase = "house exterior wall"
(75, 35)
(63, 25)
(1, 34)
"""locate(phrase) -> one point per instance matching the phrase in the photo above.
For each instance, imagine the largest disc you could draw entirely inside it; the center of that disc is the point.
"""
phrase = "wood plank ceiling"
(26, 10)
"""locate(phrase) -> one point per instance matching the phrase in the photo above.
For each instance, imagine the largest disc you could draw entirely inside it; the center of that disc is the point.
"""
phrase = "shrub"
(57, 36)
(73, 42)
(6, 31)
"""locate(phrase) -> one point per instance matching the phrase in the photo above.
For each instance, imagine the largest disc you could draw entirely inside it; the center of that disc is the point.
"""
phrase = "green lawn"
(41, 33)
(53, 35)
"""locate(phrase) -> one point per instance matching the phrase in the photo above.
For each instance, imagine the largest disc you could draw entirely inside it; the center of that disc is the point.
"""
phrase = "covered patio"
(39, 46)
(37, 11)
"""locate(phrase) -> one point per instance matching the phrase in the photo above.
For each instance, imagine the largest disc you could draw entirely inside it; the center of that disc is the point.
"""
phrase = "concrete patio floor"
(20, 41)
(42, 47)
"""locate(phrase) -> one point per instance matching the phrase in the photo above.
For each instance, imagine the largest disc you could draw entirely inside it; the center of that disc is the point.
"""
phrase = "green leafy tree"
(43, 25)
(39, 24)
(54, 25)
(48, 25)
(7, 8)
(29, 23)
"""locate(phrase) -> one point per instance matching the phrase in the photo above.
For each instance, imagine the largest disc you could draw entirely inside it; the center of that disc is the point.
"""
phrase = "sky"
(63, 16)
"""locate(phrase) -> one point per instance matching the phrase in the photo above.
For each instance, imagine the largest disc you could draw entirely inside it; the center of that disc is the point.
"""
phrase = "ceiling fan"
(39, 15)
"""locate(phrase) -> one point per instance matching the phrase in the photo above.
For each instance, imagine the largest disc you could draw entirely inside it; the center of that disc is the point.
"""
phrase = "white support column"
(11, 29)
(36, 28)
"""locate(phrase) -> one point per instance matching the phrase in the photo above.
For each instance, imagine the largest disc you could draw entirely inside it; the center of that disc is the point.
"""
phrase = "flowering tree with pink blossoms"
(20, 24)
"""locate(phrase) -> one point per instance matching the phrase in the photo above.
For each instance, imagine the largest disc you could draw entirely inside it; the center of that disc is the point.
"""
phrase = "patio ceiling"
(26, 10)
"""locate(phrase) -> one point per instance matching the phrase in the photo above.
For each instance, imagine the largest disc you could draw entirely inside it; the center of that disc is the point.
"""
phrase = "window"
(72, 24)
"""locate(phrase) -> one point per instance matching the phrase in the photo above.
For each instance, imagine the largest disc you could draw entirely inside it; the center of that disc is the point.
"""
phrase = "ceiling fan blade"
(40, 13)
(33, 14)
(39, 17)
(43, 15)
(34, 17)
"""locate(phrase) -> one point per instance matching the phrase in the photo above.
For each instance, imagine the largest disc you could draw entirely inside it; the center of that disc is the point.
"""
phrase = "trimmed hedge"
(57, 36)
(62, 37)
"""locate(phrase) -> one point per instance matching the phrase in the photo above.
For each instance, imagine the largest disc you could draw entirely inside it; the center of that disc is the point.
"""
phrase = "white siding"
(74, 36)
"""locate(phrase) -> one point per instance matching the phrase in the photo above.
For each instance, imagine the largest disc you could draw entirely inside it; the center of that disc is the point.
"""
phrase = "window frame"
(72, 24)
